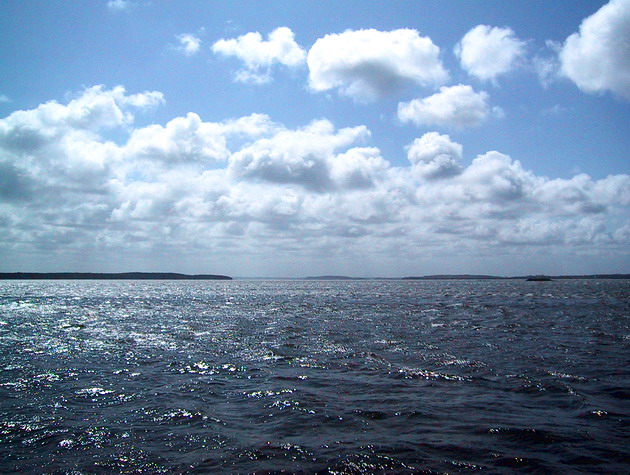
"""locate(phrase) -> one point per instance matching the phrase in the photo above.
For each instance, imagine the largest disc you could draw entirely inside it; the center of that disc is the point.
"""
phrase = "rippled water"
(344, 376)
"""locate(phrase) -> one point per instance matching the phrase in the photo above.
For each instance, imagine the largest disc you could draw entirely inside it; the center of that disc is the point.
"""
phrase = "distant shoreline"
(476, 277)
(525, 277)
(108, 276)
(178, 276)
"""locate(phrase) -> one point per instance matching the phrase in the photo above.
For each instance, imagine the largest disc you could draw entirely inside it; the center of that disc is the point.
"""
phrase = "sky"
(286, 139)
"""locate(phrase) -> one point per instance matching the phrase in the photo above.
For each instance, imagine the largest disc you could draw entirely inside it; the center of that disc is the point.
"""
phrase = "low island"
(108, 276)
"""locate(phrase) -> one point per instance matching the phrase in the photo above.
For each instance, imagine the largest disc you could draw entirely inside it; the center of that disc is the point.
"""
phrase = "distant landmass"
(177, 276)
(540, 278)
(454, 277)
(108, 276)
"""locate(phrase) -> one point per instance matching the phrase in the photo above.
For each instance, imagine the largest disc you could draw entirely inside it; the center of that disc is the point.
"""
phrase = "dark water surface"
(342, 377)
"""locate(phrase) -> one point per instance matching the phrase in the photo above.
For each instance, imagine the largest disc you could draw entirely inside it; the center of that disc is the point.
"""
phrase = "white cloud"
(487, 52)
(118, 4)
(358, 168)
(435, 156)
(189, 44)
(547, 65)
(597, 59)
(259, 55)
(4, 98)
(253, 125)
(95, 108)
(300, 157)
(367, 64)
(455, 106)
(248, 188)
(183, 139)
(495, 178)
(57, 145)
(189, 142)
(546, 68)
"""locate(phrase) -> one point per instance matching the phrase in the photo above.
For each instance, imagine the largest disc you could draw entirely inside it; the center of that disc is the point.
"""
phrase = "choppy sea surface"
(314, 376)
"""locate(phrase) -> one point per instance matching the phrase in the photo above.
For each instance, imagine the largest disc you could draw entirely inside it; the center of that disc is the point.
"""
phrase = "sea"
(306, 376)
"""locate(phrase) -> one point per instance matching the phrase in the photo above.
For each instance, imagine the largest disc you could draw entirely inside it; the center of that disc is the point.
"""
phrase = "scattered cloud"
(556, 110)
(118, 5)
(252, 186)
(4, 98)
(487, 52)
(547, 68)
(367, 64)
(259, 55)
(189, 44)
(454, 106)
(597, 59)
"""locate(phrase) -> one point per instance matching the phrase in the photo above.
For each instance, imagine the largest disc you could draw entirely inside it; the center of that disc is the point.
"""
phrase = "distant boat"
(539, 278)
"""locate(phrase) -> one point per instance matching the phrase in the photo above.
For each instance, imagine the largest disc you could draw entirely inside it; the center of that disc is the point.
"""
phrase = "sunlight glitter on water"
(313, 376)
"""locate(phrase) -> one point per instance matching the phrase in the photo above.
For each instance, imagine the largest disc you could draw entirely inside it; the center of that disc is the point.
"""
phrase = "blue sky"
(293, 138)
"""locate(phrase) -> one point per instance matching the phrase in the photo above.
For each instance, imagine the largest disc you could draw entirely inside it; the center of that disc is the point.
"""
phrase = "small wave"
(529, 436)
(416, 373)
(92, 392)
(178, 416)
(368, 463)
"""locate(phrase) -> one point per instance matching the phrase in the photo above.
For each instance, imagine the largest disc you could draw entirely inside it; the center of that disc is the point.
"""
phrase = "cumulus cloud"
(189, 142)
(358, 168)
(182, 139)
(254, 189)
(95, 108)
(455, 106)
(597, 59)
(495, 178)
(487, 52)
(367, 64)
(435, 156)
(188, 44)
(260, 55)
(299, 157)
(58, 145)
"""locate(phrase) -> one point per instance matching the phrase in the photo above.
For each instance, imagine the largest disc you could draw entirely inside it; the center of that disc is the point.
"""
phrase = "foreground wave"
(329, 376)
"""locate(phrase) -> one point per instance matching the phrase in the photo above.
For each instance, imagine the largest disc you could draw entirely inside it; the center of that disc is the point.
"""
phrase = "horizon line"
(139, 275)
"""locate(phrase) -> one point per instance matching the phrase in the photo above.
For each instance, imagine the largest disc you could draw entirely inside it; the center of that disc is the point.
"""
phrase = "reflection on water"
(350, 376)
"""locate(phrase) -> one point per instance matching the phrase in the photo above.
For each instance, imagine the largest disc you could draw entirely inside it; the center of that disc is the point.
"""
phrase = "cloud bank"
(252, 187)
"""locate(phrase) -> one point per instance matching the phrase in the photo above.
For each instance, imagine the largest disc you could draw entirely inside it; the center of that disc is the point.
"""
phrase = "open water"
(314, 376)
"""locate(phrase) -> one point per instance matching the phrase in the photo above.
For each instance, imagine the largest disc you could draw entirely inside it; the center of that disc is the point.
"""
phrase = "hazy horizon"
(331, 277)
(282, 139)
